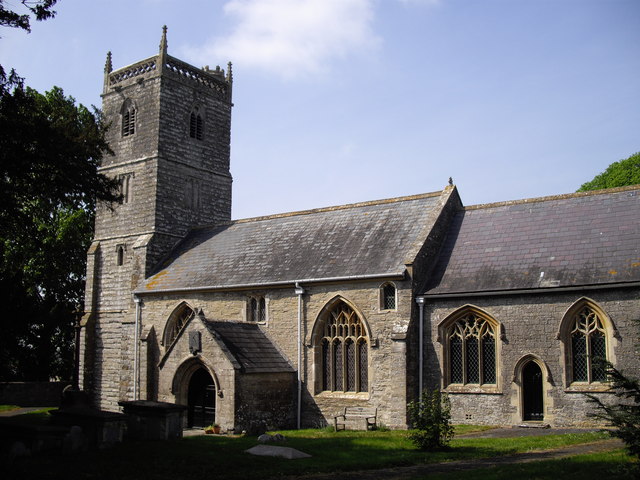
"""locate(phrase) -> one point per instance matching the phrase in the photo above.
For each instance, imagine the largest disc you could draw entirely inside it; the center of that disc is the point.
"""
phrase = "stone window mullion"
(346, 335)
(471, 351)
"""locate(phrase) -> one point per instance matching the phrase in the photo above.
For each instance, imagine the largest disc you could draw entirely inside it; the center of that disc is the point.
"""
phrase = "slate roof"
(249, 346)
(570, 240)
(351, 241)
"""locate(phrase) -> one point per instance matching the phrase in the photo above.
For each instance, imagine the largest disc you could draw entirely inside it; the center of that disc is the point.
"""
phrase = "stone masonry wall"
(180, 361)
(387, 389)
(175, 182)
(266, 401)
(531, 324)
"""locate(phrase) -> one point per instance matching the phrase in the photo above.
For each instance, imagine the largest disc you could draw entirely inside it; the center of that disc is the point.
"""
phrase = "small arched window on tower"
(120, 250)
(126, 187)
(128, 118)
(196, 124)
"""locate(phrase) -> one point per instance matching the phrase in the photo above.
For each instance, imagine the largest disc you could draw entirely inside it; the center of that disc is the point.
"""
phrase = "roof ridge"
(552, 197)
(338, 207)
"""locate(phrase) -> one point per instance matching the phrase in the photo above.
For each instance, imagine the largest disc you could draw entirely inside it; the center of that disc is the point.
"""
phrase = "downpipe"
(299, 292)
(136, 348)
(420, 302)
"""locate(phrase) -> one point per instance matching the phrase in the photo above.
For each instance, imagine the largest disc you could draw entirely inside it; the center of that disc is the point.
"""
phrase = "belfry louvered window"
(196, 124)
(588, 346)
(472, 351)
(345, 352)
(128, 118)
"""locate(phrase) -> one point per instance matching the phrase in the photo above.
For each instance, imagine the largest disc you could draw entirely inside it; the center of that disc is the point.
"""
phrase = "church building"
(283, 321)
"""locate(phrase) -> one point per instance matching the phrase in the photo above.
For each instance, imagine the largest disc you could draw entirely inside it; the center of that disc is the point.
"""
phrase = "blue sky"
(340, 101)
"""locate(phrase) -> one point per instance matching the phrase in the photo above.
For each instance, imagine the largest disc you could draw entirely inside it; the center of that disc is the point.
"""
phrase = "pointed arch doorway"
(201, 399)
(532, 399)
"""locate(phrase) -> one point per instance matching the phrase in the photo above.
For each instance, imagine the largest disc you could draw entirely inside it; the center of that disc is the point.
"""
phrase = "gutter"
(283, 283)
(528, 291)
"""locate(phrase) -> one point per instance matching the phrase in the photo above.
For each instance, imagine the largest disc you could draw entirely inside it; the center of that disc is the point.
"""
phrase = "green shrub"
(430, 419)
(624, 416)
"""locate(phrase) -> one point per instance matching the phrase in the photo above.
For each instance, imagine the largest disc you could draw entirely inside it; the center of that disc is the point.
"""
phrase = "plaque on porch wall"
(195, 343)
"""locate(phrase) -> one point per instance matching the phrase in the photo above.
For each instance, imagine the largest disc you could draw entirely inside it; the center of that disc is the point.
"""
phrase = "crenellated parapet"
(164, 64)
(132, 71)
(214, 79)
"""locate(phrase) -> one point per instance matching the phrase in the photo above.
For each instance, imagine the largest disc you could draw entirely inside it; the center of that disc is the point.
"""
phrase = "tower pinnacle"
(108, 66)
(163, 41)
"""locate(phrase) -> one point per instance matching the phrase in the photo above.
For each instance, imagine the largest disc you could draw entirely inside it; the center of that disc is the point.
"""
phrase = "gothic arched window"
(471, 346)
(128, 118)
(196, 124)
(588, 341)
(177, 320)
(588, 346)
(344, 345)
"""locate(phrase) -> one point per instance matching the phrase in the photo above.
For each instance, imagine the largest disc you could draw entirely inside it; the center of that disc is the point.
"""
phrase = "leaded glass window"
(326, 365)
(588, 347)
(472, 351)
(350, 365)
(363, 359)
(388, 297)
(345, 366)
(338, 364)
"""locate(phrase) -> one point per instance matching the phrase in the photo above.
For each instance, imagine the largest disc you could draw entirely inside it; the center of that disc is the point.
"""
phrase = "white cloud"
(428, 3)
(292, 37)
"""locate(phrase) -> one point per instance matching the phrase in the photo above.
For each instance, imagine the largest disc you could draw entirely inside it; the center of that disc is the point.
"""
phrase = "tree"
(49, 153)
(50, 150)
(618, 174)
(41, 9)
(623, 416)
(430, 419)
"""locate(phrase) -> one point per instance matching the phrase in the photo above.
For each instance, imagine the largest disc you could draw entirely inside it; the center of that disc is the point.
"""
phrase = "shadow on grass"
(224, 457)
(613, 464)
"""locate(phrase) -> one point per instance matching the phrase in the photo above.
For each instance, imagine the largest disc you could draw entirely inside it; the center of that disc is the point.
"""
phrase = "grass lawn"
(614, 464)
(210, 456)
(7, 408)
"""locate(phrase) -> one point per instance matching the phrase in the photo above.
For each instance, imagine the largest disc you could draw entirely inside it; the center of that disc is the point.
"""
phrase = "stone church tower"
(169, 131)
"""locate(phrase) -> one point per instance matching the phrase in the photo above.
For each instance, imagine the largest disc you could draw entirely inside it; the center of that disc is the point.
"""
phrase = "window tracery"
(178, 319)
(471, 343)
(588, 346)
(345, 351)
